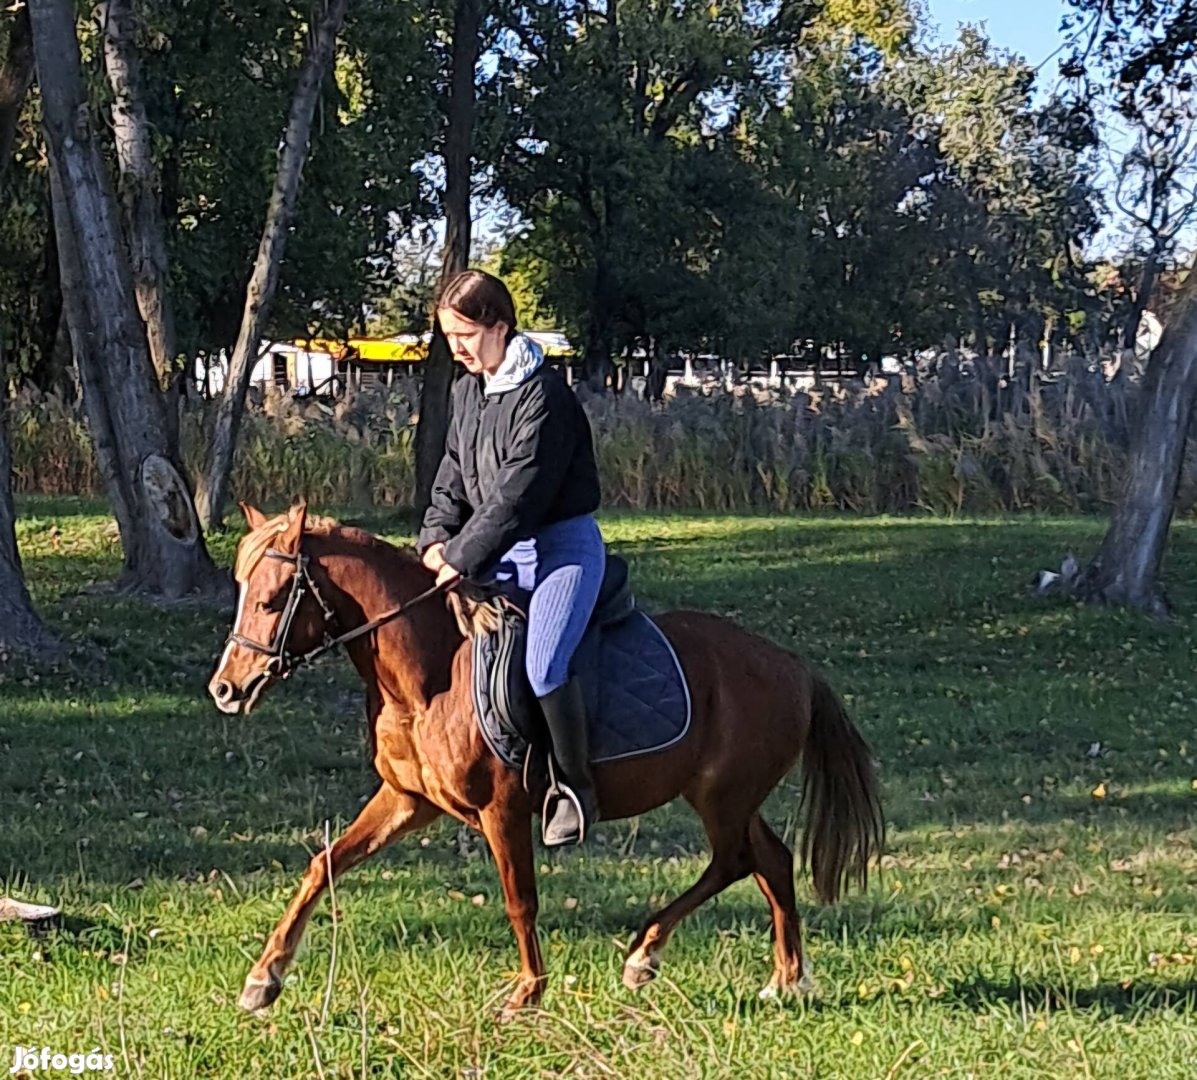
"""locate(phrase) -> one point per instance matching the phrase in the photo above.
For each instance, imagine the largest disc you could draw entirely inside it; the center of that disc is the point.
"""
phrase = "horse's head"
(280, 614)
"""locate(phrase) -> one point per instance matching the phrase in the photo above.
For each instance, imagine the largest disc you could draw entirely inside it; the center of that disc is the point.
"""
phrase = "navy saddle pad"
(637, 700)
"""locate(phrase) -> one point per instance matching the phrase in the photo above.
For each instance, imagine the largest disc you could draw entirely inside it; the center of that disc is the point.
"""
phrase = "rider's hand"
(433, 558)
(446, 573)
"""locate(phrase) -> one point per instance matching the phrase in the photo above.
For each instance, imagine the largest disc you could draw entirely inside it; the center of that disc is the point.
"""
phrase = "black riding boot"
(571, 806)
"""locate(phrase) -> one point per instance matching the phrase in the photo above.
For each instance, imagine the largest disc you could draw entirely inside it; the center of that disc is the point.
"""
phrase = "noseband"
(282, 661)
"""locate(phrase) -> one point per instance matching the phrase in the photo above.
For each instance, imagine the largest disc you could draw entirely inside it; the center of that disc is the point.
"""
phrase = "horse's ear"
(297, 518)
(253, 516)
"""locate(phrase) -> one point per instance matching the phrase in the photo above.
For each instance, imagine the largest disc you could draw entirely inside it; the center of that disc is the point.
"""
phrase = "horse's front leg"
(387, 816)
(507, 825)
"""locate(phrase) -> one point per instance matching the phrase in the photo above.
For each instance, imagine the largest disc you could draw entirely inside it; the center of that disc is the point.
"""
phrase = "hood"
(523, 357)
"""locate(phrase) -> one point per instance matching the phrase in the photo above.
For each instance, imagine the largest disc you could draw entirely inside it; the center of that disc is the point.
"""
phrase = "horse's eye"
(275, 603)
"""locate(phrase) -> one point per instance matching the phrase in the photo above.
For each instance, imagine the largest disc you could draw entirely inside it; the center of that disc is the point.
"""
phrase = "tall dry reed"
(957, 437)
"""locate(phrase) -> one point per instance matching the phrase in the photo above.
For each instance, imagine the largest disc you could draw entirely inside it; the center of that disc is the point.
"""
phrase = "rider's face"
(479, 348)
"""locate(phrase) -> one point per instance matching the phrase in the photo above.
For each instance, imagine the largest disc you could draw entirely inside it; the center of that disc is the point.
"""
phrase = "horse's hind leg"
(388, 815)
(731, 860)
(774, 865)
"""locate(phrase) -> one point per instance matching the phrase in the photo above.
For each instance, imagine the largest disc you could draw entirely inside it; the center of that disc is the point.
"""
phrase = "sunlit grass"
(1037, 915)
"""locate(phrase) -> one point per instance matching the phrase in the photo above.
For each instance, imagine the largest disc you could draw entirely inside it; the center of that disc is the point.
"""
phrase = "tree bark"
(144, 227)
(438, 372)
(1151, 271)
(1126, 569)
(20, 628)
(263, 282)
(597, 356)
(16, 76)
(164, 549)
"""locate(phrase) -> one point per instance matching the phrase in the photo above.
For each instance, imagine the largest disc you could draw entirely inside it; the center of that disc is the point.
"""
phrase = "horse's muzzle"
(232, 699)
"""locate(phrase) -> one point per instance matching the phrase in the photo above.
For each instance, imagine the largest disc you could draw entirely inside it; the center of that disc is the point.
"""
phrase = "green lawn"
(1037, 916)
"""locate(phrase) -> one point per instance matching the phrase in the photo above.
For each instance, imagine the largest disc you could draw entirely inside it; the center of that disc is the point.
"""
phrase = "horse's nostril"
(224, 691)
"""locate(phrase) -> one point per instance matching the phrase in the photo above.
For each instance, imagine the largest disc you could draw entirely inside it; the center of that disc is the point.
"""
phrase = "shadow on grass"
(1032, 1001)
(1108, 1000)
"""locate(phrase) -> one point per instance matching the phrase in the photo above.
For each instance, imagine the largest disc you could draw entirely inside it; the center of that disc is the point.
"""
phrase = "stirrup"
(557, 791)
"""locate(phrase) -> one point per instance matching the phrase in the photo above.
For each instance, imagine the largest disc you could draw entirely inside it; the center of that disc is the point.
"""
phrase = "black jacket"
(514, 462)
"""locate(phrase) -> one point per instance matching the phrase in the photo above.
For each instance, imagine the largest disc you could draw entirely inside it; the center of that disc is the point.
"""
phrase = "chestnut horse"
(306, 584)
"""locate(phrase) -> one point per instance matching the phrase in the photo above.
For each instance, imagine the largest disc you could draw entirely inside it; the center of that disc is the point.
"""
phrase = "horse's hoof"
(639, 971)
(510, 1011)
(258, 994)
(524, 996)
(779, 991)
(516, 1008)
(792, 988)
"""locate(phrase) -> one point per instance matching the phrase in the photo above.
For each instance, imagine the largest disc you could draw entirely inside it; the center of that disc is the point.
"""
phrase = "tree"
(163, 547)
(1149, 47)
(458, 166)
(16, 76)
(610, 203)
(20, 628)
(1156, 186)
(833, 186)
(1126, 568)
(219, 83)
(139, 186)
(263, 282)
(30, 302)
(1011, 201)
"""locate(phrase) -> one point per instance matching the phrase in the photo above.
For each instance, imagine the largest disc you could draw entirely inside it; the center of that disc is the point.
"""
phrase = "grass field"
(1037, 915)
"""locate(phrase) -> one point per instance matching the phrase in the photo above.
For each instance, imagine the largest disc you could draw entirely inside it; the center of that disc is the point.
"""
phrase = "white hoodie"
(522, 359)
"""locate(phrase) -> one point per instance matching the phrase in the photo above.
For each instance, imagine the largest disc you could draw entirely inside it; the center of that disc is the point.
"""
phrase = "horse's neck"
(415, 651)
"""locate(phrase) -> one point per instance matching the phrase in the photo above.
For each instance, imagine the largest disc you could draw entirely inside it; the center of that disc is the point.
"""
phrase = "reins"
(282, 661)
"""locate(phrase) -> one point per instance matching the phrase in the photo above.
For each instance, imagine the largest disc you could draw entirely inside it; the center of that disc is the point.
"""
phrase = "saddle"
(636, 693)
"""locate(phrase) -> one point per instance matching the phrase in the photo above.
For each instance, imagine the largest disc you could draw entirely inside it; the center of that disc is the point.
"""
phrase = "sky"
(1028, 27)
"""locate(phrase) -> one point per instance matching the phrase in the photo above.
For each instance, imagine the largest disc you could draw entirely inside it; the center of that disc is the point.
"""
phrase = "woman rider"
(515, 495)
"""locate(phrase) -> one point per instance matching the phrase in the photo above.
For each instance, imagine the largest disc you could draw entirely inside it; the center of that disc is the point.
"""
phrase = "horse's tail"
(845, 827)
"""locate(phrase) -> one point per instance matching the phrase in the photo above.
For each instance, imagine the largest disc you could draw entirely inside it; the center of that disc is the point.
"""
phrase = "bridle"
(282, 661)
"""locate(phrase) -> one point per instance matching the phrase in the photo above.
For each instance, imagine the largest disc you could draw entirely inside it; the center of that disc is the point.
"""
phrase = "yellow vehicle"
(326, 365)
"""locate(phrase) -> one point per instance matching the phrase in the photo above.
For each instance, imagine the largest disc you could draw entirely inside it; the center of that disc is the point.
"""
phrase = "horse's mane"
(255, 544)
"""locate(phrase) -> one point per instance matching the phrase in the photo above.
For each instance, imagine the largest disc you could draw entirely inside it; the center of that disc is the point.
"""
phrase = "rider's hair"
(481, 298)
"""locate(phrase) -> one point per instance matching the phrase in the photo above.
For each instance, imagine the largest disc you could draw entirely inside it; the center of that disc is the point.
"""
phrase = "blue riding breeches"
(558, 574)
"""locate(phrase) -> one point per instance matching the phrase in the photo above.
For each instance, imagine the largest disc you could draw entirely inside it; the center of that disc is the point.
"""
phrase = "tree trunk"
(144, 227)
(51, 371)
(16, 76)
(164, 550)
(263, 282)
(20, 628)
(597, 355)
(1151, 271)
(438, 372)
(1126, 569)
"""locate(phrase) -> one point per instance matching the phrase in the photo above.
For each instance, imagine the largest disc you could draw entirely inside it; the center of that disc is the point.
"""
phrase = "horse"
(308, 584)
